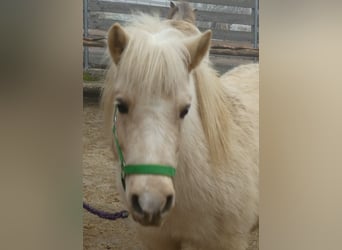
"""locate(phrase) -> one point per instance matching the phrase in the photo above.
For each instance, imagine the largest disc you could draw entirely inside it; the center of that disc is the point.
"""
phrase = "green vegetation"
(90, 78)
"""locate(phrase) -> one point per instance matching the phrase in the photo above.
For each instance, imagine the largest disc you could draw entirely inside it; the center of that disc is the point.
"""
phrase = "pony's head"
(152, 88)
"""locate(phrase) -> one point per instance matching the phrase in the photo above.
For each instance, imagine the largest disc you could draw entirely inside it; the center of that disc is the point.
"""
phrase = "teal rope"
(150, 169)
(121, 157)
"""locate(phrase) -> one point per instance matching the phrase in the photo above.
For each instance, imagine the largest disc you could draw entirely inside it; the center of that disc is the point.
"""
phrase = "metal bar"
(85, 34)
(256, 25)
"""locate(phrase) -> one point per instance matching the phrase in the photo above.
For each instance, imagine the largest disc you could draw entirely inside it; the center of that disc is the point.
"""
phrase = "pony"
(171, 108)
(182, 11)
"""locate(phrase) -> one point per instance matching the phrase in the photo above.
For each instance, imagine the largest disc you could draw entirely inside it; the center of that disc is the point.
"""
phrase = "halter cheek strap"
(155, 169)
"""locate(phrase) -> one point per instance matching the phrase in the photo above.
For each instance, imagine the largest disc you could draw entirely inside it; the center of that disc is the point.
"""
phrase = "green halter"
(155, 169)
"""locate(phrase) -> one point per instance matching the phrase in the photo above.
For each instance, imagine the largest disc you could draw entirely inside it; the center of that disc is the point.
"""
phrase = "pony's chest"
(190, 224)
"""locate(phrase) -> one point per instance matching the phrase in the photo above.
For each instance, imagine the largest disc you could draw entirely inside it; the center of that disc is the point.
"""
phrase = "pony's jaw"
(150, 198)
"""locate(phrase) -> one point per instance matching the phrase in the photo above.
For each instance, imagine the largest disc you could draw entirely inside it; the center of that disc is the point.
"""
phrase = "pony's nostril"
(168, 204)
(135, 204)
(148, 205)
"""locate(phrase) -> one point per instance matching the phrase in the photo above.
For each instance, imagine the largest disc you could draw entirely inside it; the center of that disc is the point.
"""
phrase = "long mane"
(213, 111)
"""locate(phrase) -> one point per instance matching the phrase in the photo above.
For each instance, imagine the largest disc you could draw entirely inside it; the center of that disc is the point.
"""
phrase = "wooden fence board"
(232, 35)
(222, 63)
(220, 17)
(94, 22)
(216, 49)
(126, 8)
(237, 3)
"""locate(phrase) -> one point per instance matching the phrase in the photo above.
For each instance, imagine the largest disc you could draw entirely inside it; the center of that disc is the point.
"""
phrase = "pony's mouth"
(147, 219)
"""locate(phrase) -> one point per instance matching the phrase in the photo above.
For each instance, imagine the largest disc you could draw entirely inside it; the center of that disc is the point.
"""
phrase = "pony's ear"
(172, 4)
(117, 42)
(198, 48)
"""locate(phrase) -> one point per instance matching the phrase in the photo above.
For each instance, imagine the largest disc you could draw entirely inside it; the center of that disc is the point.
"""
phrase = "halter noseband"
(155, 169)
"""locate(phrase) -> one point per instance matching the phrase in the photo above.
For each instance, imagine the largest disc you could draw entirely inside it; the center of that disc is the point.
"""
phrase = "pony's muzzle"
(150, 207)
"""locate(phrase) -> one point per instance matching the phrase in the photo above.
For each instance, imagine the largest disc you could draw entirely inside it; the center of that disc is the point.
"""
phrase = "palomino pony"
(172, 113)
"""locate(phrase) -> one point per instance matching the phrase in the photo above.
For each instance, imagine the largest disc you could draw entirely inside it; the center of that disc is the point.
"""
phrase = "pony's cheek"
(177, 149)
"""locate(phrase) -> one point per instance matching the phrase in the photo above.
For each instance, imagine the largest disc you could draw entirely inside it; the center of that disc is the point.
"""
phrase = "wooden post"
(85, 33)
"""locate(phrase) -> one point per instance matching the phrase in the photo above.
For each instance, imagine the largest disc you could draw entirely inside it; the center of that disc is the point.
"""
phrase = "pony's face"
(153, 93)
(149, 132)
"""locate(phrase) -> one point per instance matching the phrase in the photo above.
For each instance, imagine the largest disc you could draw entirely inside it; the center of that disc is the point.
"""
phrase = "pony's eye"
(184, 111)
(123, 108)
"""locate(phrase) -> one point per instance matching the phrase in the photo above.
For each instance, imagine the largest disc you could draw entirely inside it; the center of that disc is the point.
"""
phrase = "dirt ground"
(99, 189)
